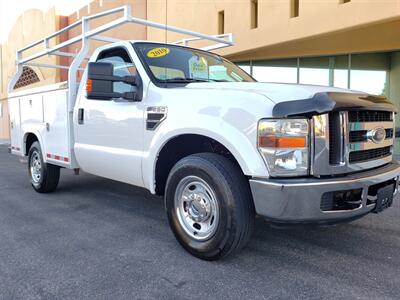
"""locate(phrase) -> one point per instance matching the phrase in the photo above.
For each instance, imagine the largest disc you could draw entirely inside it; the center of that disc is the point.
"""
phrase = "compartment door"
(15, 125)
(56, 135)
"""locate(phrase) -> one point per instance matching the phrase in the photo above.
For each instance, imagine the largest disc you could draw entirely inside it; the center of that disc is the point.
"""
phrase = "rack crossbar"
(49, 66)
(223, 40)
(87, 34)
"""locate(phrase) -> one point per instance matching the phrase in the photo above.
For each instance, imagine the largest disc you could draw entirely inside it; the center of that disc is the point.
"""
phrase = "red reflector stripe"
(57, 157)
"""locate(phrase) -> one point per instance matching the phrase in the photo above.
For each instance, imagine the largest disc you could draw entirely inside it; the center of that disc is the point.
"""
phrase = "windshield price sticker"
(198, 67)
(158, 52)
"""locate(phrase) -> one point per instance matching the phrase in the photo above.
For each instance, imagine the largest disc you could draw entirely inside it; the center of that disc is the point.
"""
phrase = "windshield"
(169, 63)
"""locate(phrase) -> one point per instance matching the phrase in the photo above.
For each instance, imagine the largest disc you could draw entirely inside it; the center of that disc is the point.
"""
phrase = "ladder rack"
(88, 34)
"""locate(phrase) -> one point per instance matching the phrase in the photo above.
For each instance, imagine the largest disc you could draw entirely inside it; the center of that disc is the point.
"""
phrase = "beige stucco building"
(346, 43)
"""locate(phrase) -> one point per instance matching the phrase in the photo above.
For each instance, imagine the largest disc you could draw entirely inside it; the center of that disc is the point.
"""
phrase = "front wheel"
(44, 177)
(209, 205)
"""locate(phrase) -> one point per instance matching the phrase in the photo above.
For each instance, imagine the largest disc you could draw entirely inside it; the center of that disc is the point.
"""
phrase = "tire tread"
(241, 229)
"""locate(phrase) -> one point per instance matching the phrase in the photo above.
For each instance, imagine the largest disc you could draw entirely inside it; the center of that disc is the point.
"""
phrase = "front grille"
(365, 155)
(351, 141)
(357, 136)
(370, 116)
(361, 135)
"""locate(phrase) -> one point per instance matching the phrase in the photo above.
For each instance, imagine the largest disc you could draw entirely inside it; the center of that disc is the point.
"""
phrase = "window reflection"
(372, 82)
(314, 76)
(368, 72)
(340, 78)
(275, 74)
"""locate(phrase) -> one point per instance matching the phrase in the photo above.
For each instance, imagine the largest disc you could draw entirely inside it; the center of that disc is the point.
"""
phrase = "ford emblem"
(377, 135)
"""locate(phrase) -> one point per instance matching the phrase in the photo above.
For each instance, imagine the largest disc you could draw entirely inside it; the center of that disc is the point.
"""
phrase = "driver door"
(109, 137)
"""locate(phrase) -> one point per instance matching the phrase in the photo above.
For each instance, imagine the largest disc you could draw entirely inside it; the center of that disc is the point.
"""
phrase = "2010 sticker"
(158, 52)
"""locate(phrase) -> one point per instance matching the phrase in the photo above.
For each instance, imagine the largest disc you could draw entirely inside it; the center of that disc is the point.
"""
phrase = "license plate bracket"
(384, 198)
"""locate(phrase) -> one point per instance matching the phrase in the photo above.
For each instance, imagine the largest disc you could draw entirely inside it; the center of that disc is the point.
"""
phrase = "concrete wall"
(30, 26)
(322, 27)
(4, 120)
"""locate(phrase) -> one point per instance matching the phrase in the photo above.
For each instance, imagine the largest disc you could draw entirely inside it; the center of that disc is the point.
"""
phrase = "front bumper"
(299, 200)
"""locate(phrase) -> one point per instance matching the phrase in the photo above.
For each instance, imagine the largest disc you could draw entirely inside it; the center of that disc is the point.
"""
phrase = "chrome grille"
(365, 155)
(370, 116)
(361, 135)
(344, 142)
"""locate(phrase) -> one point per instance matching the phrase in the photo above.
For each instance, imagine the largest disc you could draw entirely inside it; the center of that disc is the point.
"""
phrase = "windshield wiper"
(219, 80)
(183, 80)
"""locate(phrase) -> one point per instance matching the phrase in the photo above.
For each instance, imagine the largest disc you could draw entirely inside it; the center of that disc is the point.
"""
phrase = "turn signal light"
(282, 142)
(89, 85)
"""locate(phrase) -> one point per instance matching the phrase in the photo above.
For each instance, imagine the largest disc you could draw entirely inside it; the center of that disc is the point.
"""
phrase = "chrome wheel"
(197, 208)
(35, 167)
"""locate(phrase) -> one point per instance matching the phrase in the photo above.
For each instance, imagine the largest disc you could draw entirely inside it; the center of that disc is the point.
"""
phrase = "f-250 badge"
(155, 116)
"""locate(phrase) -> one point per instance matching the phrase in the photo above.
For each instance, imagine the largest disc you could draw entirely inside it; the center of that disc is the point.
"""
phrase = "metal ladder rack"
(222, 40)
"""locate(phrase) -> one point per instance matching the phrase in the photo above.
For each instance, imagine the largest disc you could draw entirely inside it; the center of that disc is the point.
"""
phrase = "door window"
(123, 66)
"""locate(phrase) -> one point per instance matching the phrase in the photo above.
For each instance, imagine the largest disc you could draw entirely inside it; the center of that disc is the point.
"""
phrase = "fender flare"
(247, 156)
(40, 140)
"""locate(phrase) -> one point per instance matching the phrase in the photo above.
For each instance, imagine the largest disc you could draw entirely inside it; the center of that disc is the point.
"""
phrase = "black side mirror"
(99, 85)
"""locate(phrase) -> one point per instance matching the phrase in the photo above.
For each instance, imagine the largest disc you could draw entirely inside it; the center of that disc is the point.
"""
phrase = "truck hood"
(276, 92)
(295, 99)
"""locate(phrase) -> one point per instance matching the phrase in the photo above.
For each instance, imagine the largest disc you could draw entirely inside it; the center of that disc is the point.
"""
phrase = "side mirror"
(100, 83)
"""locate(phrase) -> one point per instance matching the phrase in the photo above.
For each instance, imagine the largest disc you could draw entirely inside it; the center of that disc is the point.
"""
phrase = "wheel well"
(180, 147)
(29, 140)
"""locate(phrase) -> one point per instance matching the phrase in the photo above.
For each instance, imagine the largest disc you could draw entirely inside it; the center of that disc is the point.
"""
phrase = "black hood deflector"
(322, 103)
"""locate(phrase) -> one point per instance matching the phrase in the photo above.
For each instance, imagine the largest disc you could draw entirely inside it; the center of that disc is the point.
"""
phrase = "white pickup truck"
(220, 147)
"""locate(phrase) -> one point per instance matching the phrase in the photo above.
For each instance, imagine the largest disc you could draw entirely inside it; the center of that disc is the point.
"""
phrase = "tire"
(209, 206)
(44, 177)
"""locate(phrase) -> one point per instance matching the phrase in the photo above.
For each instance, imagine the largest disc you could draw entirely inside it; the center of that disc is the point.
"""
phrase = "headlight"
(284, 145)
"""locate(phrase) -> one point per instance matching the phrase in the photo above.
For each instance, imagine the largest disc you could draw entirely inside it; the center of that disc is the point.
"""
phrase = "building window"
(294, 8)
(369, 72)
(314, 70)
(344, 1)
(371, 82)
(245, 66)
(254, 14)
(221, 22)
(341, 71)
(27, 77)
(283, 71)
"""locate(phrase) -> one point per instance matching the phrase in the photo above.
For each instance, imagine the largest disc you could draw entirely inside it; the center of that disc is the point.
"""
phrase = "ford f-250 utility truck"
(220, 147)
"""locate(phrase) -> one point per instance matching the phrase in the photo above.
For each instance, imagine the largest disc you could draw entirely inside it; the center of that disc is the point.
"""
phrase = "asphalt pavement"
(99, 239)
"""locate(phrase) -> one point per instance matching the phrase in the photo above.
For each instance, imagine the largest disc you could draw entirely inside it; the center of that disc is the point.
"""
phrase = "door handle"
(81, 116)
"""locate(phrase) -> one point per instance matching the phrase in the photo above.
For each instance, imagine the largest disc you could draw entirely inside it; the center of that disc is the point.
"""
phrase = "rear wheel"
(209, 205)
(44, 177)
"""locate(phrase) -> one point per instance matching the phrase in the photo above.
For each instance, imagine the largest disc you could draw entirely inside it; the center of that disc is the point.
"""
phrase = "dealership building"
(343, 43)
